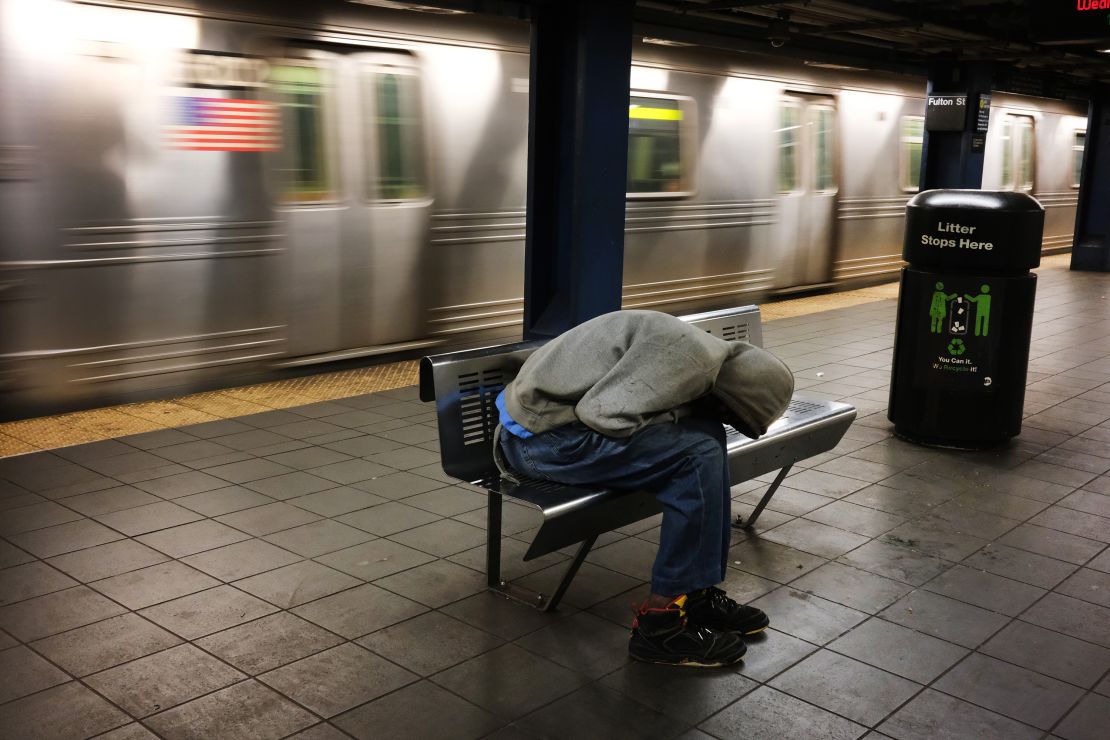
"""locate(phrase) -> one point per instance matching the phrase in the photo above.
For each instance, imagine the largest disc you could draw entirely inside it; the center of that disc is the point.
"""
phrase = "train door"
(807, 186)
(351, 184)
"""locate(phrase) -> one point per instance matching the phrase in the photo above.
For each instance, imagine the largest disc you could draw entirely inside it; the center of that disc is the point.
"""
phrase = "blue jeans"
(683, 464)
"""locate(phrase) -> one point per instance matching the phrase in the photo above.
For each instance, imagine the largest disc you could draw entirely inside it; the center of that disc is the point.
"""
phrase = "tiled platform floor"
(311, 571)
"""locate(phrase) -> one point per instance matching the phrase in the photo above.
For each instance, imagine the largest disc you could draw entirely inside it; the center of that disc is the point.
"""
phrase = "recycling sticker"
(956, 320)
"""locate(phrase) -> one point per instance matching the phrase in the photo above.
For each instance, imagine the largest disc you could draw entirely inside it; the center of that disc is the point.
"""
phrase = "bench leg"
(740, 523)
(572, 570)
(493, 542)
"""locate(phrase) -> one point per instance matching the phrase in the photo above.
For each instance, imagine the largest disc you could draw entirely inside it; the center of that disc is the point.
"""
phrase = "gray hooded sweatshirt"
(624, 370)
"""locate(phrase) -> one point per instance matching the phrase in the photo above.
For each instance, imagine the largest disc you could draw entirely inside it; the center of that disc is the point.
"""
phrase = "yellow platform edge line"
(81, 427)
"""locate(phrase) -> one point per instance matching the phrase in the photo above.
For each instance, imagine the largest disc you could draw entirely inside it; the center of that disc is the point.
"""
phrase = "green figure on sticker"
(982, 310)
(939, 307)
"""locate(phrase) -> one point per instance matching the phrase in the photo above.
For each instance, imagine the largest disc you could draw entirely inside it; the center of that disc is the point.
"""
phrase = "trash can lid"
(992, 200)
(974, 230)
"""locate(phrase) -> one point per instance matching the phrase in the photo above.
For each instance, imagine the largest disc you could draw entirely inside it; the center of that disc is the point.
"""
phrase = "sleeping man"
(635, 399)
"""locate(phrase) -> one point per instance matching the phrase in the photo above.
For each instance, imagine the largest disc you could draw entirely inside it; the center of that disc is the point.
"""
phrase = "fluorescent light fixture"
(841, 67)
(664, 42)
(418, 7)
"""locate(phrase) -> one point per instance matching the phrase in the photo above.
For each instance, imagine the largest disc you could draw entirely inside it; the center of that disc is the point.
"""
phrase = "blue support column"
(1091, 250)
(951, 159)
(577, 159)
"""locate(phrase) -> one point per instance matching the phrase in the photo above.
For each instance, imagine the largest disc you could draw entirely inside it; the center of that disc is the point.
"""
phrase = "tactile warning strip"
(50, 432)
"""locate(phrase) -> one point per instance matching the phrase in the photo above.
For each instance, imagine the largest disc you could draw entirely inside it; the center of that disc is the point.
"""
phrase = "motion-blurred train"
(195, 195)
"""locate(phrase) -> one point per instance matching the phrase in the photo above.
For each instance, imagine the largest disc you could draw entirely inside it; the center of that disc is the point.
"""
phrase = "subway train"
(193, 196)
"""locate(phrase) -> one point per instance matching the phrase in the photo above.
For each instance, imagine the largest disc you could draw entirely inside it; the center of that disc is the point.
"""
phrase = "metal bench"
(465, 384)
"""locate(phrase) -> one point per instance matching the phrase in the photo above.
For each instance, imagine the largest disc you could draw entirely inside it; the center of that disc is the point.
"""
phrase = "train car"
(193, 196)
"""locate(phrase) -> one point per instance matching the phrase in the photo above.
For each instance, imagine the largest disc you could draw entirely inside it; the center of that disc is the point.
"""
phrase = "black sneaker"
(711, 607)
(663, 636)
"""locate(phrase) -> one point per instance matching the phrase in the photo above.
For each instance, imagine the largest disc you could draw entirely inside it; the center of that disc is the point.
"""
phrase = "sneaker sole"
(690, 662)
(757, 630)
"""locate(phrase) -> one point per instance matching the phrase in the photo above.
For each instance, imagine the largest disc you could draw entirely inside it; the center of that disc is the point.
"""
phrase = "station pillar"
(1091, 249)
(952, 149)
(577, 157)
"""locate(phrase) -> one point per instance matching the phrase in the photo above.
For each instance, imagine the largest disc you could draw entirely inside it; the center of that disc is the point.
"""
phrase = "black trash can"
(965, 314)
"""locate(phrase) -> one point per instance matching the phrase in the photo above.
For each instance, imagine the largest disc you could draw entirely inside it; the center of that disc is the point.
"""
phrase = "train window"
(1017, 153)
(656, 156)
(913, 132)
(823, 120)
(304, 167)
(1077, 157)
(395, 97)
(789, 135)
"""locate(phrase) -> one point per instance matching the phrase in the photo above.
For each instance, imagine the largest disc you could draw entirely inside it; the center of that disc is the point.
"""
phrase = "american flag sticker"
(223, 125)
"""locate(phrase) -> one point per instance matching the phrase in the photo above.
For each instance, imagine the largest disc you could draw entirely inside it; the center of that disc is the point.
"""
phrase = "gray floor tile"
(771, 652)
(1054, 544)
(351, 471)
(342, 500)
(1088, 585)
(985, 590)
(268, 519)
(154, 584)
(104, 561)
(899, 650)
(807, 617)
(787, 500)
(250, 440)
(599, 713)
(297, 584)
(1050, 653)
(689, 696)
(22, 672)
(441, 538)
(290, 485)
(65, 711)
(896, 501)
(407, 645)
(847, 687)
(582, 642)
(935, 536)
(509, 681)
(1015, 692)
(825, 484)
(269, 642)
(932, 715)
(308, 457)
(359, 611)
(65, 538)
(30, 580)
(367, 444)
(223, 501)
(188, 452)
(1102, 562)
(945, 618)
(57, 612)
(11, 555)
(240, 560)
(772, 560)
(1089, 501)
(896, 562)
(1081, 619)
(105, 644)
(162, 680)
(318, 538)
(208, 611)
(420, 711)
(375, 559)
(1087, 721)
(156, 439)
(109, 500)
(855, 518)
(449, 501)
(247, 709)
(1078, 523)
(133, 731)
(767, 713)
(247, 470)
(388, 518)
(594, 584)
(338, 679)
(435, 584)
(852, 587)
(35, 516)
(1020, 565)
(504, 618)
(149, 518)
(178, 542)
